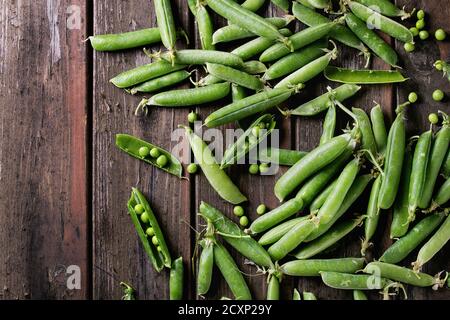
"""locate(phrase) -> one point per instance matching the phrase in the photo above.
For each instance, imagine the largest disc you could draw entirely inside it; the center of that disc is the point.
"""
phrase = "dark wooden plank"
(43, 199)
(424, 80)
(116, 248)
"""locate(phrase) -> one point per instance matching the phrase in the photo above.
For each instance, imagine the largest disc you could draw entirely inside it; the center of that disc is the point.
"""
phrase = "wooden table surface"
(64, 185)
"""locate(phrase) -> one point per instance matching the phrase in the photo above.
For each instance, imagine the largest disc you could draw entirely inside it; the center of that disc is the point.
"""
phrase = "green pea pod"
(380, 22)
(359, 295)
(379, 128)
(247, 141)
(235, 32)
(205, 266)
(401, 274)
(373, 215)
(353, 194)
(345, 281)
(314, 185)
(296, 60)
(176, 279)
(317, 4)
(311, 163)
(161, 82)
(205, 27)
(350, 76)
(276, 233)
(328, 239)
(216, 177)
(324, 101)
(254, 67)
(246, 19)
(445, 170)
(296, 295)
(393, 163)
(189, 97)
(436, 158)
(207, 81)
(127, 40)
(371, 39)
(234, 235)
(309, 296)
(144, 73)
(277, 215)
(322, 197)
(406, 244)
(128, 292)
(282, 4)
(334, 201)
(246, 107)
(291, 239)
(166, 23)
(235, 76)
(158, 254)
(368, 138)
(197, 56)
(386, 8)
(273, 288)
(340, 32)
(329, 125)
(442, 196)
(418, 172)
(256, 46)
(313, 267)
(309, 71)
(400, 223)
(298, 40)
(433, 245)
(230, 271)
(282, 157)
(253, 5)
(132, 145)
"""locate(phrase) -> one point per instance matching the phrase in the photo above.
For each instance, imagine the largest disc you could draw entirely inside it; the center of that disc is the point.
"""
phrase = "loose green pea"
(440, 35)
(414, 31)
(192, 168)
(243, 221)
(162, 161)
(155, 153)
(155, 240)
(420, 14)
(263, 167)
(439, 65)
(253, 169)
(144, 151)
(412, 97)
(433, 118)
(238, 211)
(438, 95)
(150, 232)
(409, 47)
(420, 24)
(145, 217)
(192, 117)
(261, 209)
(139, 208)
(423, 35)
(256, 131)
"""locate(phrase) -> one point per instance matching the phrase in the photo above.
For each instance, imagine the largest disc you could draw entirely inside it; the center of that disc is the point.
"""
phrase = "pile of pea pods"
(407, 175)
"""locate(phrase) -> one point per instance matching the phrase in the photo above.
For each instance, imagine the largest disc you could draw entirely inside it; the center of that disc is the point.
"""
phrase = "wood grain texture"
(117, 252)
(46, 181)
(43, 200)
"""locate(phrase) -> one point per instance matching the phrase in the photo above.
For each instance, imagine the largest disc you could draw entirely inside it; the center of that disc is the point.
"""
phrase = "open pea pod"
(133, 145)
(148, 230)
(256, 133)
